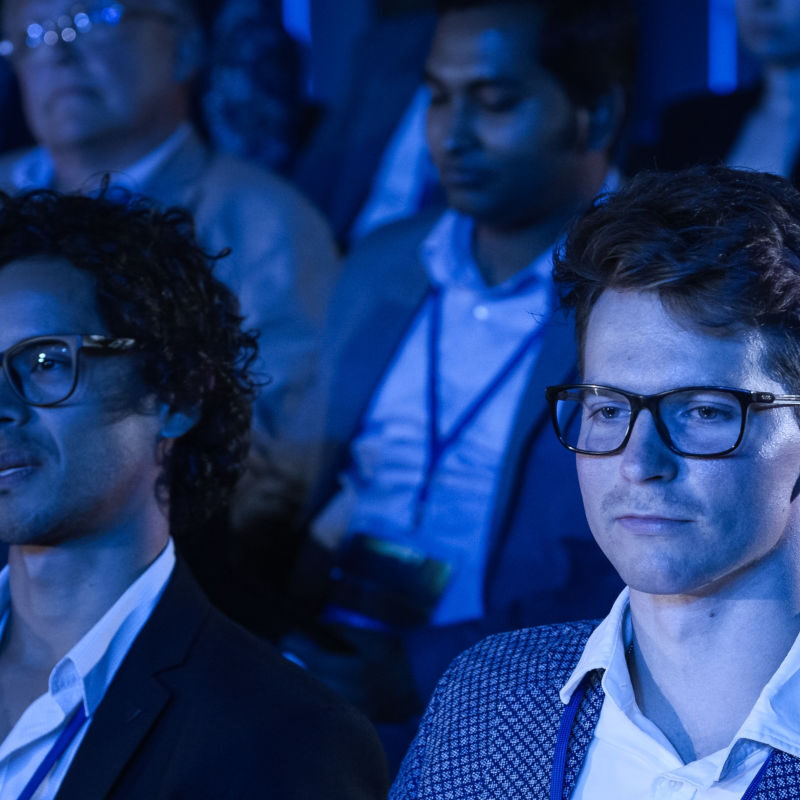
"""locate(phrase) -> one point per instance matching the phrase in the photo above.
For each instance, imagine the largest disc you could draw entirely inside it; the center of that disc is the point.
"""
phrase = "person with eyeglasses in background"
(686, 434)
(108, 87)
(125, 399)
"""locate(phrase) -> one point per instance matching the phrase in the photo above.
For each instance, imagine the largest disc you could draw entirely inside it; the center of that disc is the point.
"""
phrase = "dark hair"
(589, 46)
(720, 246)
(154, 284)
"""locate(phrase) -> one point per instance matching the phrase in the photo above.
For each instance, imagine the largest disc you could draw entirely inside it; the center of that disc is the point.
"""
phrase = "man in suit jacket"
(125, 400)
(112, 93)
(685, 289)
(436, 456)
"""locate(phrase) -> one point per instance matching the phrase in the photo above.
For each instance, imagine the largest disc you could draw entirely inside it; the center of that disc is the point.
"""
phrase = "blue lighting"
(723, 64)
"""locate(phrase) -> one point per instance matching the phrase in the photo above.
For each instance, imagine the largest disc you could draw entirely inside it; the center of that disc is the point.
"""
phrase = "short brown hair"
(720, 246)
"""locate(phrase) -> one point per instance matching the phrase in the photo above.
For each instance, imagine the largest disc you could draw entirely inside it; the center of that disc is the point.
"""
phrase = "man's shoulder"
(544, 656)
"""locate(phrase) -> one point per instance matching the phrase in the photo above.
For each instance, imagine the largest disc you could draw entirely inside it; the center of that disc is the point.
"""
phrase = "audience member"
(686, 293)
(125, 408)
(756, 127)
(108, 88)
(444, 510)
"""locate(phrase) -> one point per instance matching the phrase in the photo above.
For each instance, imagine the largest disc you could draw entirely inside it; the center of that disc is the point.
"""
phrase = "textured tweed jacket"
(490, 730)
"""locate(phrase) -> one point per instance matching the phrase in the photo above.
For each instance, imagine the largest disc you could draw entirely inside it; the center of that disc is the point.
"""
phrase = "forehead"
(46, 295)
(633, 342)
(488, 40)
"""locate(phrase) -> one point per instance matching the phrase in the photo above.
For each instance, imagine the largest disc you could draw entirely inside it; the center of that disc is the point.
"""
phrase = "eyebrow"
(475, 83)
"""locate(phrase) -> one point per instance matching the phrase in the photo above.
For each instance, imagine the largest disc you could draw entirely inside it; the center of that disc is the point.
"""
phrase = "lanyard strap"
(562, 741)
(438, 444)
(56, 751)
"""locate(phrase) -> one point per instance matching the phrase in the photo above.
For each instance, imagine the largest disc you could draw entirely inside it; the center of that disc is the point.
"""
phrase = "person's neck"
(782, 89)
(699, 662)
(59, 592)
(501, 253)
(80, 166)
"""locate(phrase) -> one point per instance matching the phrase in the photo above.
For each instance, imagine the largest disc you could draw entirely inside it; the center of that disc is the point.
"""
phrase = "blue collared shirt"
(481, 327)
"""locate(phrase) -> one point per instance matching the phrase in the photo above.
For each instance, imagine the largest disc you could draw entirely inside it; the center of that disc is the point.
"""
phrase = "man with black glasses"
(686, 290)
(125, 400)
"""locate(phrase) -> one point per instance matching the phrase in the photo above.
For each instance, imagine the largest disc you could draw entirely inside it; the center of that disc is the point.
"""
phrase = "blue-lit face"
(500, 128)
(770, 29)
(671, 524)
(87, 465)
(113, 78)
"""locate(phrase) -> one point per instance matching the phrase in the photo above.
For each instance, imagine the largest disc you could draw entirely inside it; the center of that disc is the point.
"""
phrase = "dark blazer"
(490, 730)
(201, 709)
(543, 565)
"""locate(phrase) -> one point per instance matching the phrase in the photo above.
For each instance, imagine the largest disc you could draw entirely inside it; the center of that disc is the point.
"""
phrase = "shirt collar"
(447, 256)
(774, 719)
(35, 169)
(86, 671)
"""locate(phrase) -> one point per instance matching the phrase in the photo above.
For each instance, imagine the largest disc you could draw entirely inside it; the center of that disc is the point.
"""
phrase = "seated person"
(758, 126)
(108, 88)
(440, 509)
(686, 293)
(125, 400)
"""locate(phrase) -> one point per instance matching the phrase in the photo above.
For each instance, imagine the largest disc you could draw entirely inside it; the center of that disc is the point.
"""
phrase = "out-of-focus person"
(757, 126)
(441, 508)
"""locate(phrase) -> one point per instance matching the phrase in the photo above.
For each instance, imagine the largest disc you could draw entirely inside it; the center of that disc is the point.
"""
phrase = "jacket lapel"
(136, 697)
(523, 742)
(556, 363)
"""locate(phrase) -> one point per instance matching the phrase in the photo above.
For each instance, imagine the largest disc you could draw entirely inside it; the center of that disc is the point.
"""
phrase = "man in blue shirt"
(444, 510)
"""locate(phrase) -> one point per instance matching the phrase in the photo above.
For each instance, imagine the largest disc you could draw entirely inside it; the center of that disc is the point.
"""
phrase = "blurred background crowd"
(385, 181)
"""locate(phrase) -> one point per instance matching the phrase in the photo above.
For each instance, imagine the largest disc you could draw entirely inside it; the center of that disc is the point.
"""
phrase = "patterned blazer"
(490, 730)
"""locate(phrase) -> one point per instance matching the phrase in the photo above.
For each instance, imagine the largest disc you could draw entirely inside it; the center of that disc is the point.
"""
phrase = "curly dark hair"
(720, 246)
(155, 284)
(589, 46)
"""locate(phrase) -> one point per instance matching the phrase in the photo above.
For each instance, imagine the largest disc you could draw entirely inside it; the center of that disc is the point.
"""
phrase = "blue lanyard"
(438, 444)
(562, 741)
(56, 751)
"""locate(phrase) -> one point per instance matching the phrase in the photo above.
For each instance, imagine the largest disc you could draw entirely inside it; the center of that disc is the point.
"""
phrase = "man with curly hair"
(125, 401)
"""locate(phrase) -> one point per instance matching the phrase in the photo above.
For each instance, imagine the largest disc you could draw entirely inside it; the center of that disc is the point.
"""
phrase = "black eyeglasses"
(705, 421)
(43, 370)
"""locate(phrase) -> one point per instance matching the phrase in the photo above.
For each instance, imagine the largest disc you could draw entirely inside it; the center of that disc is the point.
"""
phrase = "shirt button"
(480, 313)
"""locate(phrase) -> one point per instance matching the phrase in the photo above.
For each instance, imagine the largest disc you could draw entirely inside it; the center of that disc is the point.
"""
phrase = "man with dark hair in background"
(442, 333)
(686, 291)
(107, 87)
(125, 400)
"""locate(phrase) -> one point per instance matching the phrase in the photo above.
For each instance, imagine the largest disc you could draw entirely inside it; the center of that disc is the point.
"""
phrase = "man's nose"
(646, 456)
(459, 131)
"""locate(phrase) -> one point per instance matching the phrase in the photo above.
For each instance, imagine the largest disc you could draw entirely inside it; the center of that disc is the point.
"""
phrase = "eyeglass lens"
(42, 372)
(699, 422)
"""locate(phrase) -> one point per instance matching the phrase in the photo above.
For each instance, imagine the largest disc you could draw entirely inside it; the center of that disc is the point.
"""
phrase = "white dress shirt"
(629, 756)
(82, 676)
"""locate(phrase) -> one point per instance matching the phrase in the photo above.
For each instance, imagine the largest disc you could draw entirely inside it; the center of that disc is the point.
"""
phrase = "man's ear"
(598, 126)
(175, 423)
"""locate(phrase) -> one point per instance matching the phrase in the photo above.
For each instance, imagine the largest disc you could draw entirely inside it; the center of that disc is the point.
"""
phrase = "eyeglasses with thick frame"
(74, 24)
(73, 343)
(652, 402)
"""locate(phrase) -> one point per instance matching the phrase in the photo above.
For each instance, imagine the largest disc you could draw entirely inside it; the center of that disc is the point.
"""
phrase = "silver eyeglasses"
(102, 18)
(702, 421)
(43, 370)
